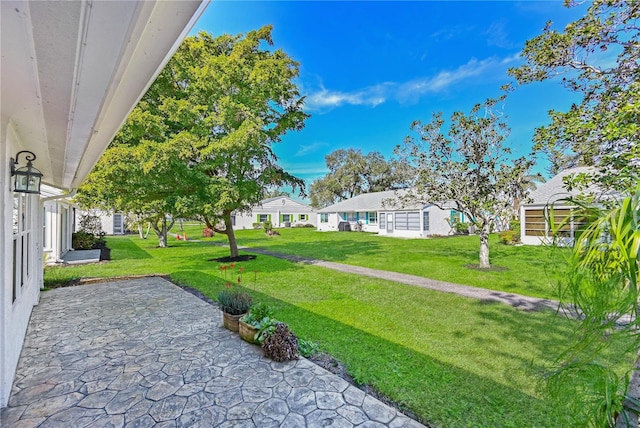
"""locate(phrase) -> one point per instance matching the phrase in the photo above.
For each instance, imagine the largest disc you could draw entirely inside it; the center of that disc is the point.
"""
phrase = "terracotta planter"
(231, 321)
(247, 331)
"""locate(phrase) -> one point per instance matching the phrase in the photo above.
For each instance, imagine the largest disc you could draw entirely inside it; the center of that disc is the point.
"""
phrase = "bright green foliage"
(200, 141)
(597, 56)
(467, 168)
(603, 286)
(351, 173)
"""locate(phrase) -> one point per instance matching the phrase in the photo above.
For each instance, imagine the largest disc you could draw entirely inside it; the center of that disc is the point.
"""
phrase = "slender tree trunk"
(140, 230)
(233, 245)
(161, 232)
(484, 246)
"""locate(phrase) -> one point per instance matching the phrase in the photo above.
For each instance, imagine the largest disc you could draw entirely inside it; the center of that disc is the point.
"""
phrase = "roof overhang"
(73, 71)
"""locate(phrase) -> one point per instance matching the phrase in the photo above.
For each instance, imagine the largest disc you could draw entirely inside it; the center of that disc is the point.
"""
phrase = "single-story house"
(551, 198)
(281, 211)
(70, 74)
(378, 212)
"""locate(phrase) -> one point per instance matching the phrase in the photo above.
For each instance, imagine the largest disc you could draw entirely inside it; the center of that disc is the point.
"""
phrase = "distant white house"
(551, 198)
(112, 223)
(377, 212)
(281, 211)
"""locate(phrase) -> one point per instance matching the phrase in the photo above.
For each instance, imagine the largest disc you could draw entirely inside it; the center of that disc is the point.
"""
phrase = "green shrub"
(307, 348)
(83, 240)
(461, 228)
(509, 237)
(256, 225)
(267, 225)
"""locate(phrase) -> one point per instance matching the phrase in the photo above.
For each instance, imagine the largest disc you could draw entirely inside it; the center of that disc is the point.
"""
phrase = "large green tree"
(213, 114)
(236, 97)
(597, 57)
(467, 167)
(139, 174)
(352, 173)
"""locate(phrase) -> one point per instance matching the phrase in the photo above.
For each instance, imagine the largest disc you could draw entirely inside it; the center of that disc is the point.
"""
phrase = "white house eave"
(73, 71)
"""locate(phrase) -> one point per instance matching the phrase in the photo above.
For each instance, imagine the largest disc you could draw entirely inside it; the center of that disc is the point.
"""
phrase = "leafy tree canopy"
(596, 56)
(206, 127)
(351, 173)
(467, 167)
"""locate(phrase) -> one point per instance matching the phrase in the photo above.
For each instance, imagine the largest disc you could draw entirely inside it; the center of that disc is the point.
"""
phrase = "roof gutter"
(66, 195)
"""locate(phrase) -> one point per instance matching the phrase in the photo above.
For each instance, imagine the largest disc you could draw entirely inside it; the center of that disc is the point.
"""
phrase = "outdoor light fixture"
(27, 178)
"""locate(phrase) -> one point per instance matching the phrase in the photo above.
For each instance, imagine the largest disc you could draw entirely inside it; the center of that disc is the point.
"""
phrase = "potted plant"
(250, 323)
(234, 304)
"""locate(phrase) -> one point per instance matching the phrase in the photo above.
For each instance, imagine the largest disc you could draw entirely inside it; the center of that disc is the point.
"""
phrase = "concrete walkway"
(516, 300)
(145, 353)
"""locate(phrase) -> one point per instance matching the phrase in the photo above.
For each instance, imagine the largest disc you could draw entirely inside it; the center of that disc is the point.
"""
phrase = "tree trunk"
(233, 245)
(161, 232)
(484, 246)
(140, 230)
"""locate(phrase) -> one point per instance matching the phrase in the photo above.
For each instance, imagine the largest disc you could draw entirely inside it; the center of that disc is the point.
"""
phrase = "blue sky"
(369, 69)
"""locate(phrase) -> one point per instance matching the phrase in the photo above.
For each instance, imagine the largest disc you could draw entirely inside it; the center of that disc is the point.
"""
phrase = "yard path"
(516, 300)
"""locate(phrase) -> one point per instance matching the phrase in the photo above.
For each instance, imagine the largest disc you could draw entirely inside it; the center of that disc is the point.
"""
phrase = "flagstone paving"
(144, 353)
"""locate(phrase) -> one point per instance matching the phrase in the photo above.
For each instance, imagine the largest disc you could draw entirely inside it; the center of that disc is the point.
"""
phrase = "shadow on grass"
(123, 248)
(439, 393)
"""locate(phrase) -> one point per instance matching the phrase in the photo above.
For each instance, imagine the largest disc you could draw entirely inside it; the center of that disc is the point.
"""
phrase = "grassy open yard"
(453, 361)
(532, 271)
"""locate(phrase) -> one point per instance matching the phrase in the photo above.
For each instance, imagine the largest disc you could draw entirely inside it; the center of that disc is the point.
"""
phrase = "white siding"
(15, 313)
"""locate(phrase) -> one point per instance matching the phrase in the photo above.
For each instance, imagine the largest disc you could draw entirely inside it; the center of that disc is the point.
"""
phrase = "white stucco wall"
(14, 314)
(57, 237)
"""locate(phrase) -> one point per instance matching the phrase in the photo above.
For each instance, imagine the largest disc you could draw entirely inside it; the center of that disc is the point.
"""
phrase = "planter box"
(231, 321)
(247, 331)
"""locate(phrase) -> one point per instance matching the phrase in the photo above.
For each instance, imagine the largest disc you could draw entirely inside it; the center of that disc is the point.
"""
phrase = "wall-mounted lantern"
(27, 177)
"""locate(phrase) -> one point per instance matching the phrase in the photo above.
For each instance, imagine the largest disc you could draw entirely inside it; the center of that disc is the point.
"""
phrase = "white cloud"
(304, 150)
(406, 92)
(324, 98)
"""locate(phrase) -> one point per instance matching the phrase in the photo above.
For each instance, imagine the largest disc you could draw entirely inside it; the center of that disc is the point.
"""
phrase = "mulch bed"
(241, 258)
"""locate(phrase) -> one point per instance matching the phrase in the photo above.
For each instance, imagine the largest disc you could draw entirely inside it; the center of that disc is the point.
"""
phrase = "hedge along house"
(70, 74)
(281, 211)
(378, 212)
(549, 204)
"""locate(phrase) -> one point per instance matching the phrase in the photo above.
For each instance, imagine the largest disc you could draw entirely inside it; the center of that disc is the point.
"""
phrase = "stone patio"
(144, 353)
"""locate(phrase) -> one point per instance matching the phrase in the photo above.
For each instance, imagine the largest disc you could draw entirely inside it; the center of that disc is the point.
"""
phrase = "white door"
(389, 222)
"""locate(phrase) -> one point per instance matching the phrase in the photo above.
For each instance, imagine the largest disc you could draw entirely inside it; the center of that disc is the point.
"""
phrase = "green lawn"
(530, 270)
(453, 361)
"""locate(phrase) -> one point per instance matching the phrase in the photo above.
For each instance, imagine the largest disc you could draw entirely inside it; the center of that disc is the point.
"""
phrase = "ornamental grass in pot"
(234, 304)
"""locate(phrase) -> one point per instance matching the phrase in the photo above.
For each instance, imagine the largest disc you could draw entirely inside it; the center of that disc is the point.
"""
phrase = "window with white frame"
(351, 216)
(425, 221)
(286, 218)
(373, 217)
(263, 217)
(324, 218)
(303, 217)
(383, 221)
(22, 241)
